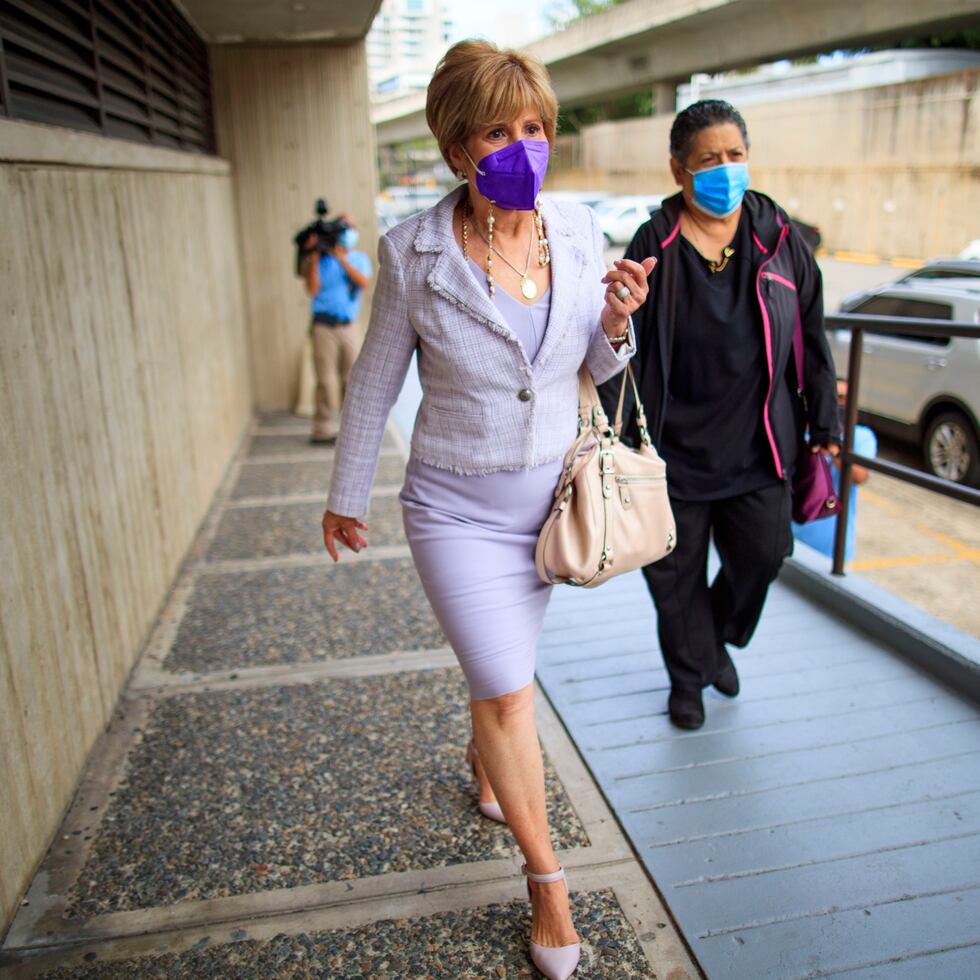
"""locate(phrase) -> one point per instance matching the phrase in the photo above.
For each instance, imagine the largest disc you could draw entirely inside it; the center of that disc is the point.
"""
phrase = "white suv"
(621, 216)
(923, 390)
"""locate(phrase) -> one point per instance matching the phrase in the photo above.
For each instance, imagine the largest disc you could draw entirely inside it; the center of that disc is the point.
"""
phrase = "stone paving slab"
(301, 614)
(266, 531)
(273, 443)
(241, 791)
(263, 479)
(489, 941)
(285, 792)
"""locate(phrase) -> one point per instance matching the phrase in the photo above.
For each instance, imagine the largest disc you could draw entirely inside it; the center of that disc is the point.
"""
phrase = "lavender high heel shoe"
(490, 810)
(555, 962)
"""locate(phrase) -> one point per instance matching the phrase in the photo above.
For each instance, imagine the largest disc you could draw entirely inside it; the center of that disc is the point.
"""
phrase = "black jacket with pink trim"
(788, 285)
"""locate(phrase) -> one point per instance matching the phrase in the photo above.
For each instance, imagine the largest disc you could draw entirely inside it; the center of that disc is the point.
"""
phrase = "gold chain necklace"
(713, 266)
(529, 288)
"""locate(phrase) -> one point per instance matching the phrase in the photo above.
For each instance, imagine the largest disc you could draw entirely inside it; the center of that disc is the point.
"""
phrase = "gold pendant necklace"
(529, 288)
(714, 266)
(726, 253)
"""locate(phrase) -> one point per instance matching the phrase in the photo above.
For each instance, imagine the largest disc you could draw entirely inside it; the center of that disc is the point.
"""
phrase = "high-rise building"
(404, 45)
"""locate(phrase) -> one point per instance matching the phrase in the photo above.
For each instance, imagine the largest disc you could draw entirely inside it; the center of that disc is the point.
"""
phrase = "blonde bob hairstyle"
(477, 84)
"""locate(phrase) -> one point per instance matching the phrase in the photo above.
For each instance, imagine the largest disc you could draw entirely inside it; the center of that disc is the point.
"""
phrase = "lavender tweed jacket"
(485, 407)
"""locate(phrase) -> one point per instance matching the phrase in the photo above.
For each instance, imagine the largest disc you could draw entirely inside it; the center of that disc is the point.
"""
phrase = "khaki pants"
(334, 351)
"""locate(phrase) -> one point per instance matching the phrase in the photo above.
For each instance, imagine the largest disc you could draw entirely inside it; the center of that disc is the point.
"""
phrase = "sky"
(505, 22)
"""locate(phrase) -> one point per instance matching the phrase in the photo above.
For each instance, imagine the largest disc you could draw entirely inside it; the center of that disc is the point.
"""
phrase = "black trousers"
(752, 536)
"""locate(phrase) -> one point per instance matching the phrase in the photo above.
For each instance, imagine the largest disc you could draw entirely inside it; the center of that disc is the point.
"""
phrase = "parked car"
(588, 198)
(619, 217)
(972, 251)
(921, 389)
(406, 201)
(946, 269)
(935, 269)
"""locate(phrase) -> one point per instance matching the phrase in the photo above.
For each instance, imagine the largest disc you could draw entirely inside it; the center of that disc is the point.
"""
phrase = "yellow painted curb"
(867, 258)
(863, 258)
(907, 561)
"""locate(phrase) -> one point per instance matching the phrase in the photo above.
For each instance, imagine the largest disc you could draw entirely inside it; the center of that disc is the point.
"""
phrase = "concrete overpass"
(260, 22)
(644, 44)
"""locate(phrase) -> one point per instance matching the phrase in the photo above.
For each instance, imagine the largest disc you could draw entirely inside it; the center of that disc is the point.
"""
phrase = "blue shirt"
(338, 296)
(820, 534)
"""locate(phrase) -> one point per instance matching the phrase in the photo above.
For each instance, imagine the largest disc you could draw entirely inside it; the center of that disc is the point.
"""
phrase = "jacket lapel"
(568, 263)
(450, 276)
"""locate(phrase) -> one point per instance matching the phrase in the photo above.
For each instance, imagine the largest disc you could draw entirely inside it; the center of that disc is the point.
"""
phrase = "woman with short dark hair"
(718, 383)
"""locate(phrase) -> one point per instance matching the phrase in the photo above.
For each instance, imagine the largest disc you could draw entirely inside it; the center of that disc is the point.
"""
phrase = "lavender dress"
(473, 538)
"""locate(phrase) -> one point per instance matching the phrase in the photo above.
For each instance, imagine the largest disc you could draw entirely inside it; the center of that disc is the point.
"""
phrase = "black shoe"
(686, 707)
(323, 440)
(726, 680)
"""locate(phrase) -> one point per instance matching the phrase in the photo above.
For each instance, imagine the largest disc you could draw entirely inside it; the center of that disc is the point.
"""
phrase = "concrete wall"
(891, 170)
(294, 122)
(124, 390)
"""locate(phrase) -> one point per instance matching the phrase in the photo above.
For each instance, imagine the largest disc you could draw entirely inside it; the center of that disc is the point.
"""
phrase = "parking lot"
(919, 545)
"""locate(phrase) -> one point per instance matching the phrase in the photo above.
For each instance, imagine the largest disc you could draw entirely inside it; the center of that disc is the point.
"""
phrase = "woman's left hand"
(631, 277)
(832, 448)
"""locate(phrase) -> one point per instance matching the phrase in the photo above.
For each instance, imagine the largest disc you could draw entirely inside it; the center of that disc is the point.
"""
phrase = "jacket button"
(524, 394)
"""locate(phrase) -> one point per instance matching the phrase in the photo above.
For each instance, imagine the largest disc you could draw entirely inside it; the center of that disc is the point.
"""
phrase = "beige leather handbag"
(611, 512)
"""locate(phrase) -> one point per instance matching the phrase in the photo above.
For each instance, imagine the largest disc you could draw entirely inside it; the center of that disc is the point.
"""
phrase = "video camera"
(327, 235)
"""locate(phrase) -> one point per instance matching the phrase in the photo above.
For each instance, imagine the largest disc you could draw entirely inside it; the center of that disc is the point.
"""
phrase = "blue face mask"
(348, 238)
(718, 191)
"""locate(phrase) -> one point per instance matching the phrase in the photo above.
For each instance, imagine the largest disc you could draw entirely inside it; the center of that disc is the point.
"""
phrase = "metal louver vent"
(131, 69)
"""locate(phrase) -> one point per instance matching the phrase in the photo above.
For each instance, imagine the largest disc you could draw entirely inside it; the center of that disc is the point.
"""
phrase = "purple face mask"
(512, 176)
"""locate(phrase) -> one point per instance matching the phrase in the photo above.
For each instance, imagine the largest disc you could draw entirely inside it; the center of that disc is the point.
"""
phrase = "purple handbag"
(814, 496)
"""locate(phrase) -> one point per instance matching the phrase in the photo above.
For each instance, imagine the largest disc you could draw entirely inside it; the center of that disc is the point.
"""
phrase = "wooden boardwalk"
(824, 823)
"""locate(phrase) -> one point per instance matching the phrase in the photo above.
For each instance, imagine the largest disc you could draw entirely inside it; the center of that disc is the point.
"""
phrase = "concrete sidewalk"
(282, 792)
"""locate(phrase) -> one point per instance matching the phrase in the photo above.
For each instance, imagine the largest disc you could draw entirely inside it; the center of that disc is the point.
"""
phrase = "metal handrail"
(859, 324)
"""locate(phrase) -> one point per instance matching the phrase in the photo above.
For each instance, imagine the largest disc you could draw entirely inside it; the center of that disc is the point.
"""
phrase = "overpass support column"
(664, 98)
(294, 121)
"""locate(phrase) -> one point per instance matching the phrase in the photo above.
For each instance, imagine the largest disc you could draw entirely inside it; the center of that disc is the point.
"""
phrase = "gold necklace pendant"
(529, 288)
(726, 254)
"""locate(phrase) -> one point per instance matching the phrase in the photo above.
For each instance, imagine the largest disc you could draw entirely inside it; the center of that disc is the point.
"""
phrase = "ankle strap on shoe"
(546, 878)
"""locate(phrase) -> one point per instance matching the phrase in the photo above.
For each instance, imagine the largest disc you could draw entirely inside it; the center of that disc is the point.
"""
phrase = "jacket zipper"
(767, 331)
(782, 280)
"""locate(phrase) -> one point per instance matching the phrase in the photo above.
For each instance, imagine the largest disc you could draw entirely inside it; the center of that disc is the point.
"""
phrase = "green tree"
(561, 13)
(623, 107)
(969, 38)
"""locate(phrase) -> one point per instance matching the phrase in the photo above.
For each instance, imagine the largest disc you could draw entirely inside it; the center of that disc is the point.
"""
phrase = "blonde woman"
(503, 297)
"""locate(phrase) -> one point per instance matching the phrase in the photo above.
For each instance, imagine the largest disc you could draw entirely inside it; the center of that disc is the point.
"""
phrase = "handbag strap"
(798, 350)
(593, 416)
(797, 334)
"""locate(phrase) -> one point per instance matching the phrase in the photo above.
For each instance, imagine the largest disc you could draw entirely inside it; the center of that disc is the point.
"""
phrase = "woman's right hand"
(343, 529)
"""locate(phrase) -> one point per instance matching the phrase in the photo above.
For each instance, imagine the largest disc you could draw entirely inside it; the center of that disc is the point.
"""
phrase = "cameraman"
(335, 283)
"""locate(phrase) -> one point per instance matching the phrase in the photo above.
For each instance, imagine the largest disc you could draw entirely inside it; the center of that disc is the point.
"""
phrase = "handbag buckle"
(607, 462)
